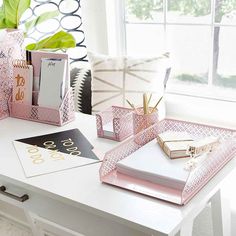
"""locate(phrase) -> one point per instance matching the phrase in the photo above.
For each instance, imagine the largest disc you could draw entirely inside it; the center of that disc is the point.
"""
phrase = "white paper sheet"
(151, 163)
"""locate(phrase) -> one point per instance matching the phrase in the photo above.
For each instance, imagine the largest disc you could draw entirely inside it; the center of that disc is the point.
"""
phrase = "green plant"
(11, 12)
(60, 40)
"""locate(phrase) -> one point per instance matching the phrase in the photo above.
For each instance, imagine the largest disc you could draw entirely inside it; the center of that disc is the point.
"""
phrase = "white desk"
(76, 201)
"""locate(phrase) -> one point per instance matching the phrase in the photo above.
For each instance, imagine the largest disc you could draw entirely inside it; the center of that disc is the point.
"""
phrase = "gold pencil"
(132, 105)
(145, 104)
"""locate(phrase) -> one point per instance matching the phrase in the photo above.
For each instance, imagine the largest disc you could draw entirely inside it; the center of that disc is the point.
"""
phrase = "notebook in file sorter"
(34, 58)
(22, 82)
(52, 86)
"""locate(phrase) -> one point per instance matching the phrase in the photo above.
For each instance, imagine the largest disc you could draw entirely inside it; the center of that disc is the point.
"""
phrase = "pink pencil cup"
(142, 121)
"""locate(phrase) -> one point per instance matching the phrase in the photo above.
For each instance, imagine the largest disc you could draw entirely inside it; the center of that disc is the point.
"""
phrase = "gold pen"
(149, 100)
(156, 105)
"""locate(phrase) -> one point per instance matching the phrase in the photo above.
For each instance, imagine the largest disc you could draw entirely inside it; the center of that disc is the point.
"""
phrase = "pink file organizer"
(119, 120)
(59, 117)
(197, 177)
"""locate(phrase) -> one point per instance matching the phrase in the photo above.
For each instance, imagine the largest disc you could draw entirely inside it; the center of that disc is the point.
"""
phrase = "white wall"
(94, 25)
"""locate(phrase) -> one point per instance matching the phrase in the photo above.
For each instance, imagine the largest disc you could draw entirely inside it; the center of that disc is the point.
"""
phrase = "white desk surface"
(81, 187)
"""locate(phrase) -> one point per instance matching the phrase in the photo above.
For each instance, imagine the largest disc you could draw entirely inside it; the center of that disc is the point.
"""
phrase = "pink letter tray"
(196, 178)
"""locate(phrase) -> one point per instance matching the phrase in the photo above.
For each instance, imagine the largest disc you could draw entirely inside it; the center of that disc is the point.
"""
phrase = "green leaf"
(40, 19)
(13, 10)
(2, 13)
(5, 24)
(60, 40)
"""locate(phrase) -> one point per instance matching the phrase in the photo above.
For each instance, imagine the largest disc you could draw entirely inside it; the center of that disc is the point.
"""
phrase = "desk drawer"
(66, 216)
(48, 228)
(10, 195)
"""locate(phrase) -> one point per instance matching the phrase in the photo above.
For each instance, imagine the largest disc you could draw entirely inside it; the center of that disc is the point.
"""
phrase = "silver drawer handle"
(20, 199)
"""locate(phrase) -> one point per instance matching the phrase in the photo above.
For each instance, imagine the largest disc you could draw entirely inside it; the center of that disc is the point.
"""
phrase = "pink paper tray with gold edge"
(197, 178)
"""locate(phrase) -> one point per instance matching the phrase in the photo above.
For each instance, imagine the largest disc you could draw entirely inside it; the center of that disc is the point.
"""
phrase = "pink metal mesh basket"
(121, 121)
(9, 50)
(142, 121)
(197, 177)
(16, 35)
(59, 117)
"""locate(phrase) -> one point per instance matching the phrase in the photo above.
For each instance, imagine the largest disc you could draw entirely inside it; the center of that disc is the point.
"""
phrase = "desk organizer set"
(40, 89)
(118, 123)
(33, 85)
(177, 180)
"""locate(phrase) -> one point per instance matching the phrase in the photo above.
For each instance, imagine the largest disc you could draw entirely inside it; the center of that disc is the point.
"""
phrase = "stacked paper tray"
(195, 179)
(152, 164)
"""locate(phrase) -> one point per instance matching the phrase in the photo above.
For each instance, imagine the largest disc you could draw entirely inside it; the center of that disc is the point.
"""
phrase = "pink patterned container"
(64, 115)
(115, 123)
(17, 35)
(142, 121)
(10, 49)
(197, 177)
